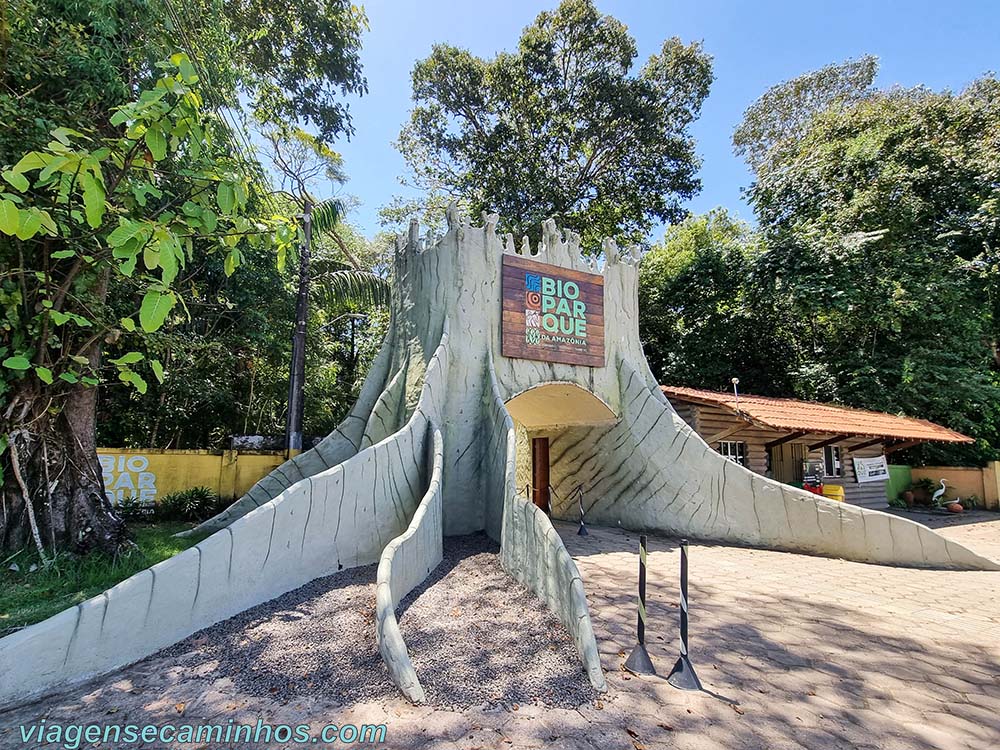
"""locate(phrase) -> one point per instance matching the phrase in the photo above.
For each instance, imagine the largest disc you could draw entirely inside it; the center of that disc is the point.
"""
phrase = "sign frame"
(871, 469)
(524, 318)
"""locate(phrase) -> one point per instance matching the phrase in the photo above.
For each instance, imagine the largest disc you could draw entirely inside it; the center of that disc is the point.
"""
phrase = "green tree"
(234, 348)
(68, 63)
(85, 215)
(773, 125)
(703, 316)
(882, 227)
(562, 127)
(295, 60)
(227, 363)
(68, 67)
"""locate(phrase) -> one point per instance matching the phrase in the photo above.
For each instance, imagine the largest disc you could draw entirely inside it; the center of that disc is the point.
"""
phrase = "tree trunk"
(297, 376)
(56, 457)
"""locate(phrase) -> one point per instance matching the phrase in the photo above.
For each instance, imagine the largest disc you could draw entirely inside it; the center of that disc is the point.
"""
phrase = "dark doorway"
(786, 462)
(540, 472)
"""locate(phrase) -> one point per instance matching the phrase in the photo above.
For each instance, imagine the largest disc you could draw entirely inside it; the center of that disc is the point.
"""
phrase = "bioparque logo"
(553, 311)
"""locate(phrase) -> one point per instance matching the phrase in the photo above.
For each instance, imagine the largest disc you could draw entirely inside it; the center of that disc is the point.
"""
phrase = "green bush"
(195, 504)
(133, 509)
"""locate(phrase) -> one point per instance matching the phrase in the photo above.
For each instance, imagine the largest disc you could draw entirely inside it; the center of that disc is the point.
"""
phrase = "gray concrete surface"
(406, 561)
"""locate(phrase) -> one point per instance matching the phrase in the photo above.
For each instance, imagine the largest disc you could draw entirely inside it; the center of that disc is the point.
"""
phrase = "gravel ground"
(318, 640)
(478, 637)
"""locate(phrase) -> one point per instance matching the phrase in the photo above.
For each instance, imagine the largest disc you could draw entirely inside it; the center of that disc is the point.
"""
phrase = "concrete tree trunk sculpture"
(431, 449)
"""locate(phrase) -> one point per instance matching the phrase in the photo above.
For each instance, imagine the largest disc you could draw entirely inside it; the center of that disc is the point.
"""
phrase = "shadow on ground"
(800, 652)
(802, 647)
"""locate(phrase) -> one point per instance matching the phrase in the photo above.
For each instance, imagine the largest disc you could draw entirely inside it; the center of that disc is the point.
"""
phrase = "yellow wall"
(964, 481)
(151, 474)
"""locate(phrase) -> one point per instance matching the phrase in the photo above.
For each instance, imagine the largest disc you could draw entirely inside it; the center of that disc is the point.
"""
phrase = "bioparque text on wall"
(148, 475)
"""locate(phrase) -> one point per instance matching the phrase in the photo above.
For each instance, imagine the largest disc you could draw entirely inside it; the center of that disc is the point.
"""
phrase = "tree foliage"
(227, 365)
(86, 209)
(773, 125)
(297, 60)
(883, 232)
(874, 276)
(705, 317)
(134, 203)
(563, 127)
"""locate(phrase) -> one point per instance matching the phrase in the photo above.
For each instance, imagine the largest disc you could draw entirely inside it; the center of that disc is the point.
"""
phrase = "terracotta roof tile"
(797, 416)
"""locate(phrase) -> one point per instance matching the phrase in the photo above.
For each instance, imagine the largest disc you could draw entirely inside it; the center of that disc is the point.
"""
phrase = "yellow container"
(834, 492)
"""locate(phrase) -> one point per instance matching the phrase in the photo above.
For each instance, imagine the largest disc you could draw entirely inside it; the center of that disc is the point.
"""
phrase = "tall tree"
(67, 245)
(883, 229)
(773, 125)
(295, 59)
(79, 218)
(562, 127)
(704, 316)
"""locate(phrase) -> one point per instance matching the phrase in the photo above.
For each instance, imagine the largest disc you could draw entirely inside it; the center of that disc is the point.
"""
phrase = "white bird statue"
(936, 497)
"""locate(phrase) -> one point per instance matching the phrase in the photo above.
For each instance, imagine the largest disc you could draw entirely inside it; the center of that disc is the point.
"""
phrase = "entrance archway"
(542, 413)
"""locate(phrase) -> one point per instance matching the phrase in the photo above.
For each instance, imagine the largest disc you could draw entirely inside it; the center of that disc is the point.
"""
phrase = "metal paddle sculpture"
(638, 661)
(579, 497)
(683, 676)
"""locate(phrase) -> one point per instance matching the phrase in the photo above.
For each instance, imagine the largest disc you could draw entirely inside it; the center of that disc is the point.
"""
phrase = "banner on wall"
(552, 314)
(871, 469)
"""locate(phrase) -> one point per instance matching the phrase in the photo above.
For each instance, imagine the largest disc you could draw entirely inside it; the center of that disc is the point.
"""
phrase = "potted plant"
(922, 490)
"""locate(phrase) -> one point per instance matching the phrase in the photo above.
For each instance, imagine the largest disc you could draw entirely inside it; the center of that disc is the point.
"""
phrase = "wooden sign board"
(552, 314)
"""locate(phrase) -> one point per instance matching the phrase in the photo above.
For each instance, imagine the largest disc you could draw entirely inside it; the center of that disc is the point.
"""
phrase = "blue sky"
(754, 45)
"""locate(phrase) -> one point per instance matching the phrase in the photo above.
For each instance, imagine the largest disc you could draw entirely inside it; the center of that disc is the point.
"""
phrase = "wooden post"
(540, 472)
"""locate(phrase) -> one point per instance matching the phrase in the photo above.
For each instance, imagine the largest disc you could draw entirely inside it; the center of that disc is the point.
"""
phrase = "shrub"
(922, 490)
(195, 504)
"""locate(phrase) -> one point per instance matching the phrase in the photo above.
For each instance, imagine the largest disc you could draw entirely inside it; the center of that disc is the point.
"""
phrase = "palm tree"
(300, 160)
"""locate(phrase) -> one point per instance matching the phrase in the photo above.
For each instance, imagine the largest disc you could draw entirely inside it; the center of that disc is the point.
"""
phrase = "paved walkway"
(797, 652)
(806, 652)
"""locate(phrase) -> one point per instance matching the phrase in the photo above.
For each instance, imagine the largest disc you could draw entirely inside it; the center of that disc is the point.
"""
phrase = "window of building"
(831, 461)
(734, 450)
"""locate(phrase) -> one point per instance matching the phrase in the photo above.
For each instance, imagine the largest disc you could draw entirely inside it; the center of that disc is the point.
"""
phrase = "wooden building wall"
(712, 420)
(709, 421)
(869, 494)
